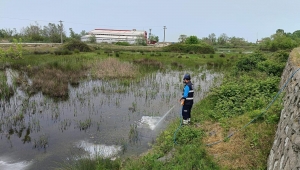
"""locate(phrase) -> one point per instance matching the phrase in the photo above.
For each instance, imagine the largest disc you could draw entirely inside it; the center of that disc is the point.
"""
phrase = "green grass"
(5, 90)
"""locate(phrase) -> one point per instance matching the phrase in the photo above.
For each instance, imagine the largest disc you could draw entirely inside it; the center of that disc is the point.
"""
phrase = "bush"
(123, 43)
(38, 52)
(281, 56)
(222, 55)
(76, 51)
(62, 52)
(271, 68)
(186, 48)
(236, 98)
(211, 56)
(250, 62)
(76, 44)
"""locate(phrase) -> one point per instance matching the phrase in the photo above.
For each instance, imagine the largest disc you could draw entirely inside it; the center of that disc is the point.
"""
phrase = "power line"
(26, 19)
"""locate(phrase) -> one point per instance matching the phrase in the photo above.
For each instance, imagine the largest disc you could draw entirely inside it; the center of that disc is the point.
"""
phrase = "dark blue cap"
(187, 77)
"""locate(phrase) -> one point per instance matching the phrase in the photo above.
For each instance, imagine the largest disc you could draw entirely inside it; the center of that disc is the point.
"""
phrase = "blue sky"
(249, 19)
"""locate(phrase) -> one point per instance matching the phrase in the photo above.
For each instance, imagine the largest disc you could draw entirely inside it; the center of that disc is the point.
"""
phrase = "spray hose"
(261, 114)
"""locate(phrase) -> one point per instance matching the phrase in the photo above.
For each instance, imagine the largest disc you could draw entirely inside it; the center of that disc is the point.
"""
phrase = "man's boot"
(185, 122)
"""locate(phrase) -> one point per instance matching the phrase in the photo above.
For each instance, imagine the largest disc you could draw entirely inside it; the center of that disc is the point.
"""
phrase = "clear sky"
(249, 19)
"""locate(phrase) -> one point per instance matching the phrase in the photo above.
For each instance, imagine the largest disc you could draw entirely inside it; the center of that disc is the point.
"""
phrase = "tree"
(182, 38)
(192, 40)
(222, 39)
(279, 41)
(154, 38)
(32, 32)
(52, 33)
(280, 32)
(8, 33)
(141, 40)
(83, 32)
(236, 41)
(212, 38)
(93, 39)
(74, 35)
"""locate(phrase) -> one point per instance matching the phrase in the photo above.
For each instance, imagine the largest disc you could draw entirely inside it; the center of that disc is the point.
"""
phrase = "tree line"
(223, 40)
(280, 40)
(52, 33)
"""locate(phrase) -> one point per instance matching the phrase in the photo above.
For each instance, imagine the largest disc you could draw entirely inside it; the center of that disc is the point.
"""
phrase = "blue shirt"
(186, 91)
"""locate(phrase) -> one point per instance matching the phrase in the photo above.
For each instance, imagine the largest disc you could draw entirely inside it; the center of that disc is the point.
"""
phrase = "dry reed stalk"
(113, 68)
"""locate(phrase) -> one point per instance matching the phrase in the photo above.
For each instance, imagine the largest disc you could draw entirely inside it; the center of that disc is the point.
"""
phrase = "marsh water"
(105, 118)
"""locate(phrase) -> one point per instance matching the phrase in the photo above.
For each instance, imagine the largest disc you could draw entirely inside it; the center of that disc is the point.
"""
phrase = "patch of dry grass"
(295, 56)
(113, 68)
(239, 152)
(149, 62)
(54, 82)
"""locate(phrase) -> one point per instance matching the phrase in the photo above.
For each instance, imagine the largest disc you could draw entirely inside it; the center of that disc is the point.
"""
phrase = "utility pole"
(165, 33)
(149, 32)
(61, 30)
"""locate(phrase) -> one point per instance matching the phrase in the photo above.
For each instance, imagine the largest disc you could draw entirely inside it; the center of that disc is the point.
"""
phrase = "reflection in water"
(105, 113)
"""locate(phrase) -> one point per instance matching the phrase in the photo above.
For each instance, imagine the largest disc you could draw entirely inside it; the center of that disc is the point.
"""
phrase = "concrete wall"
(285, 152)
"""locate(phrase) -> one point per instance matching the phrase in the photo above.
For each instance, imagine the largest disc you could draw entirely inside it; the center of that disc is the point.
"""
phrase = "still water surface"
(102, 118)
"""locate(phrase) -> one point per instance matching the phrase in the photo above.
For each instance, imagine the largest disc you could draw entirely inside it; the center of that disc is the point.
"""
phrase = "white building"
(109, 35)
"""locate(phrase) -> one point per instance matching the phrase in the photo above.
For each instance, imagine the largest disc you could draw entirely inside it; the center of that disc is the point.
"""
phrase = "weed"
(85, 124)
(133, 134)
(41, 142)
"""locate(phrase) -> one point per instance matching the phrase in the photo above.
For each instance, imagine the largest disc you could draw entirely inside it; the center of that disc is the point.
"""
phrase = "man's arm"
(185, 94)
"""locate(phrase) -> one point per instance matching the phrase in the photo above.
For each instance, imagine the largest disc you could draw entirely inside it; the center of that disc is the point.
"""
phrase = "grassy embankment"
(247, 89)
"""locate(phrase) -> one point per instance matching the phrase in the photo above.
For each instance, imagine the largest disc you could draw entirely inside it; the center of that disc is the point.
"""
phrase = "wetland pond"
(105, 118)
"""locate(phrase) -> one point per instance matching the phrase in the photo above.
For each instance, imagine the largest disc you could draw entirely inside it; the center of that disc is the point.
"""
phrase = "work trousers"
(186, 111)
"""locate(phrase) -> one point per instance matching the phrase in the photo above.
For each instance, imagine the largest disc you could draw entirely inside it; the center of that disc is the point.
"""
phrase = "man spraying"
(187, 99)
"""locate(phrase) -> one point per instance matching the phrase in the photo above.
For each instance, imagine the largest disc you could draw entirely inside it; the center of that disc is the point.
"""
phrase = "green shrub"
(123, 43)
(281, 56)
(186, 48)
(211, 56)
(77, 44)
(62, 52)
(271, 67)
(222, 55)
(249, 63)
(38, 52)
(76, 51)
(235, 98)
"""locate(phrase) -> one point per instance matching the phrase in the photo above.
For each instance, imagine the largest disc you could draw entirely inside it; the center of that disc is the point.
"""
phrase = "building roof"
(133, 31)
